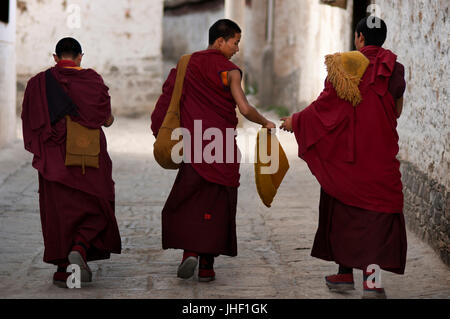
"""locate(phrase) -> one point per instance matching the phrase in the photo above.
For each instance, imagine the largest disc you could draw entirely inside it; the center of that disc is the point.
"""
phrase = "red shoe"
(373, 293)
(187, 267)
(78, 257)
(340, 282)
(206, 269)
(60, 279)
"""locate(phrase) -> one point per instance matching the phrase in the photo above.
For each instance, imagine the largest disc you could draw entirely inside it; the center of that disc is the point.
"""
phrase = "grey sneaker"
(76, 258)
(187, 268)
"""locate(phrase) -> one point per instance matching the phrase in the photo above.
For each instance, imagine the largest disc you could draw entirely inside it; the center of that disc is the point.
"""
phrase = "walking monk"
(348, 138)
(76, 202)
(200, 213)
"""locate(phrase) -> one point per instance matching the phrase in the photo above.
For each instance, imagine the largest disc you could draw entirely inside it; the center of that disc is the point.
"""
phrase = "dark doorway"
(359, 12)
(4, 11)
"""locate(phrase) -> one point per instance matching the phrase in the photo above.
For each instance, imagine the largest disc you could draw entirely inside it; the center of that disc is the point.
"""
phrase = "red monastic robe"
(205, 98)
(72, 205)
(352, 150)
(199, 214)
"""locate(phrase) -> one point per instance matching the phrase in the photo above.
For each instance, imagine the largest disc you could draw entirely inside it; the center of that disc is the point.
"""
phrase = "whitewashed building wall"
(8, 78)
(419, 33)
(121, 39)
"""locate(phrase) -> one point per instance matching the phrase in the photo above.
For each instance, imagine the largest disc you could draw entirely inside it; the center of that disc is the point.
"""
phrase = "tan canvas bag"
(82, 145)
(162, 148)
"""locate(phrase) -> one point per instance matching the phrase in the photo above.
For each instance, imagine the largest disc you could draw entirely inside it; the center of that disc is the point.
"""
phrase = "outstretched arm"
(287, 124)
(248, 111)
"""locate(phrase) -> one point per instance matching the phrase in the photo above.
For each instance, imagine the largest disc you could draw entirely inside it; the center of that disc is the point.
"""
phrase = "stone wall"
(121, 39)
(418, 34)
(8, 77)
(427, 209)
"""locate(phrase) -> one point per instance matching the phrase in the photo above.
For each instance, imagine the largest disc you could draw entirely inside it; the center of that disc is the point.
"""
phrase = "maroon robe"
(355, 238)
(73, 206)
(352, 150)
(352, 153)
(199, 214)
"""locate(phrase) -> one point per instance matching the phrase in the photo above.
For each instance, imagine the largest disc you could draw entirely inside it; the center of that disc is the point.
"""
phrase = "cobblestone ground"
(274, 244)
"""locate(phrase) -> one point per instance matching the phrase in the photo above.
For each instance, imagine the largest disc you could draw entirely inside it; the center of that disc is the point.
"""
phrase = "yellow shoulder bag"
(162, 148)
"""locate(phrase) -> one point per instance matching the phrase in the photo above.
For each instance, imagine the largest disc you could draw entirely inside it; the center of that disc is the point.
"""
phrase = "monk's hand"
(269, 125)
(109, 122)
(287, 124)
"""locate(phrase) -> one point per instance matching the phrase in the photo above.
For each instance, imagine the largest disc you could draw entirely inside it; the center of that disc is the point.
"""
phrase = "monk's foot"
(60, 279)
(373, 293)
(78, 257)
(340, 282)
(376, 293)
(206, 269)
(206, 275)
(369, 291)
(187, 267)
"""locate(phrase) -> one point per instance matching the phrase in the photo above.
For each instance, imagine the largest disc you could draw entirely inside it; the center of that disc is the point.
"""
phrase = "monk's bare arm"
(399, 106)
(248, 111)
(109, 122)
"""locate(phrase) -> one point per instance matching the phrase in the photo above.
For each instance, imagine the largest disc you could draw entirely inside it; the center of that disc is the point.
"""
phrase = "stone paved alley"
(274, 244)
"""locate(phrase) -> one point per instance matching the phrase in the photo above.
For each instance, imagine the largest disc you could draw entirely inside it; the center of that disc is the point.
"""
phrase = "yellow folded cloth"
(345, 71)
(271, 166)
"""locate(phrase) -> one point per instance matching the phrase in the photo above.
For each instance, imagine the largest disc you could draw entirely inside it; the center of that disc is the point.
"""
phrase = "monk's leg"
(76, 223)
(188, 264)
(342, 281)
(206, 268)
(355, 238)
(61, 275)
(88, 235)
(372, 286)
(199, 217)
(345, 270)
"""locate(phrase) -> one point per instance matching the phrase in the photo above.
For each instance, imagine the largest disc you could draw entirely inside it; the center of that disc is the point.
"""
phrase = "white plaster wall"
(8, 78)
(326, 31)
(288, 19)
(304, 32)
(254, 38)
(236, 10)
(419, 33)
(188, 33)
(121, 39)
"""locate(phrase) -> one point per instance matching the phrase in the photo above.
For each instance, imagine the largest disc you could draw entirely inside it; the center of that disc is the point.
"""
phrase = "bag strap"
(58, 101)
(174, 106)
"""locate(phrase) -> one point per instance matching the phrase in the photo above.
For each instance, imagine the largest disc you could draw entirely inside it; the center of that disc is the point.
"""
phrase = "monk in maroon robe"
(349, 140)
(77, 210)
(200, 214)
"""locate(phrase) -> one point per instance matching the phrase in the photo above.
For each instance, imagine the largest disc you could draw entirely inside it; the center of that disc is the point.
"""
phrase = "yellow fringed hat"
(271, 166)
